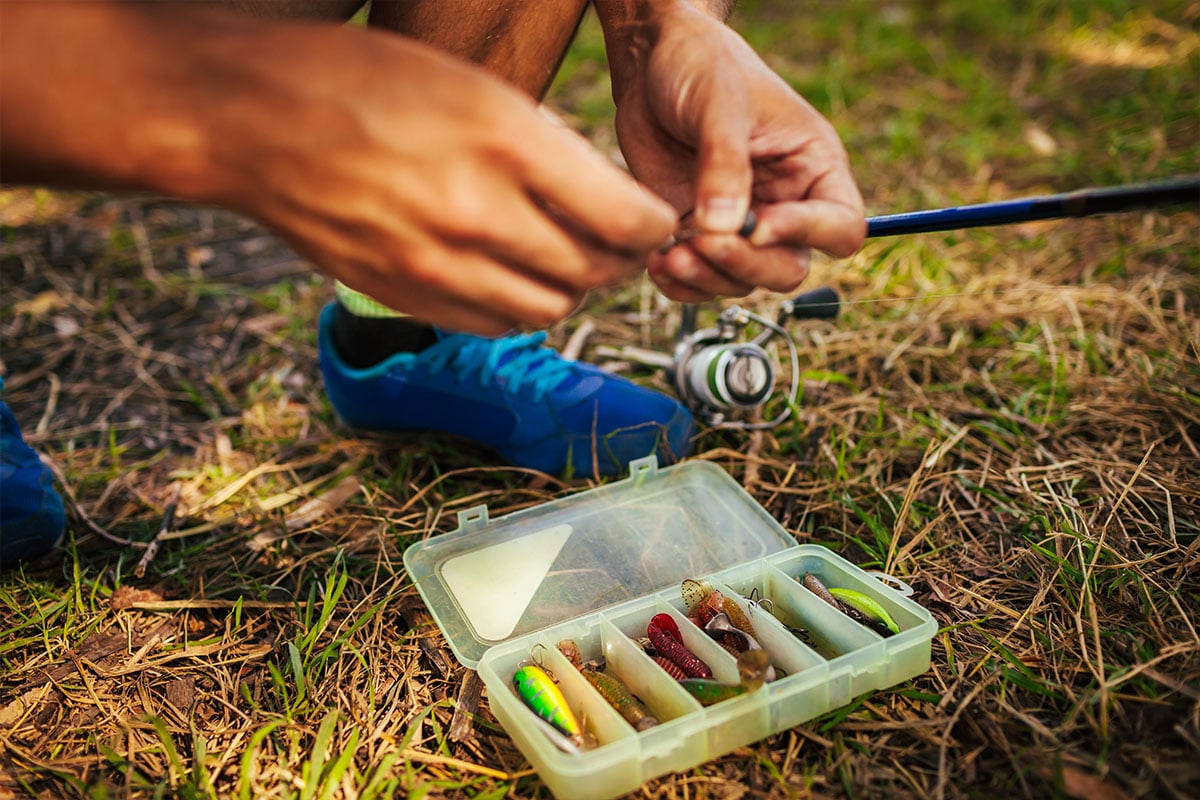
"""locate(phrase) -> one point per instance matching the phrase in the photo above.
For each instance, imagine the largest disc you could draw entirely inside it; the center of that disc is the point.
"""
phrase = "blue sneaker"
(533, 407)
(32, 519)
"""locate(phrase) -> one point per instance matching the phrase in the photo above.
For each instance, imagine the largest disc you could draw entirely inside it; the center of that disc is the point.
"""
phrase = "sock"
(365, 341)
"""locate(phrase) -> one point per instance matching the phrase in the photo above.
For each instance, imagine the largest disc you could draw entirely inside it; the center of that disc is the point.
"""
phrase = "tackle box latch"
(473, 517)
(643, 469)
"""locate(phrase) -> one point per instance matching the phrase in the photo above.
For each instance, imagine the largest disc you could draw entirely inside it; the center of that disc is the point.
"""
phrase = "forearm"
(98, 95)
(632, 26)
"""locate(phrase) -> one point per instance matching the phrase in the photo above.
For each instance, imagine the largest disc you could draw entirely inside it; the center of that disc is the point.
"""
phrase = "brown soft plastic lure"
(570, 649)
(814, 585)
(620, 698)
(737, 617)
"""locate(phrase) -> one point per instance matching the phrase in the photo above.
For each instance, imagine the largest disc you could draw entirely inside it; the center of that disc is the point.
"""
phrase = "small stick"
(69, 494)
(461, 724)
(574, 346)
(167, 523)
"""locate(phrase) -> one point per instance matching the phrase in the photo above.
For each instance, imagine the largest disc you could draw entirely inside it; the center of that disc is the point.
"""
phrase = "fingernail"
(722, 215)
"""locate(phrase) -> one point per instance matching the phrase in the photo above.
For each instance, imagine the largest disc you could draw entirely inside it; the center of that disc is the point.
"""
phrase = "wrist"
(632, 28)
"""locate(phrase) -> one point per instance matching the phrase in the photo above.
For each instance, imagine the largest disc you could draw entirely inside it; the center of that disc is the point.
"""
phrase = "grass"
(1007, 419)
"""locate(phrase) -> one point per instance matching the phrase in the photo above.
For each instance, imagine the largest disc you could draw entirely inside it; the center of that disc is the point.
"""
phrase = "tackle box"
(594, 567)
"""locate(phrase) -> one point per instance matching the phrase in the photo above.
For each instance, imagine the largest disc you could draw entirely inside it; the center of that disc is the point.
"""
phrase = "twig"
(574, 346)
(51, 404)
(461, 724)
(168, 521)
(79, 512)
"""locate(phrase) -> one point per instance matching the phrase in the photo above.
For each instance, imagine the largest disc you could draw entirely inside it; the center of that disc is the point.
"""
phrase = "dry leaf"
(1083, 786)
(126, 596)
(41, 305)
(181, 692)
(1040, 141)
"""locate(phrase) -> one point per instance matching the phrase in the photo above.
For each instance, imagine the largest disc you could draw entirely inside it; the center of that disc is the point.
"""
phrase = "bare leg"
(523, 42)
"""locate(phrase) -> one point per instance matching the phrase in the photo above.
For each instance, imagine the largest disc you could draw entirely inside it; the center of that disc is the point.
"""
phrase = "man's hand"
(705, 123)
(409, 175)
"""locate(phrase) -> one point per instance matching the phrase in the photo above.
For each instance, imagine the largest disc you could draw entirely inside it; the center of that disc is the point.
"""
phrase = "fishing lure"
(620, 698)
(538, 690)
(667, 623)
(670, 667)
(695, 593)
(610, 688)
(704, 602)
(870, 610)
(737, 617)
(730, 642)
(670, 645)
(570, 649)
(814, 585)
(752, 667)
(720, 625)
(701, 599)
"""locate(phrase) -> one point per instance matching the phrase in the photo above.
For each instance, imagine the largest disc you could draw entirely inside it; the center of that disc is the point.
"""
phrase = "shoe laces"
(512, 361)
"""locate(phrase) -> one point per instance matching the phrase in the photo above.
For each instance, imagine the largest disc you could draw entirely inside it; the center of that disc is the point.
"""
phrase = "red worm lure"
(670, 645)
(670, 667)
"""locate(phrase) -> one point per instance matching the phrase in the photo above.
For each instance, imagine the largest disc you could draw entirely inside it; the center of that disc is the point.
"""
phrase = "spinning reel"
(720, 378)
(719, 375)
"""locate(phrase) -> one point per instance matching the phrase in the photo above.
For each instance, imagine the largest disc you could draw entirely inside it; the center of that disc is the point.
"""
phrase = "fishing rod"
(1081, 203)
(720, 378)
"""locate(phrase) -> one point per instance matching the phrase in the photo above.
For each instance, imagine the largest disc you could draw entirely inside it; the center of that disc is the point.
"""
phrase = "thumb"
(724, 176)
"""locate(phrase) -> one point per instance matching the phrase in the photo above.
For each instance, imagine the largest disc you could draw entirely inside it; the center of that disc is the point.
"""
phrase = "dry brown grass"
(1009, 420)
(1024, 453)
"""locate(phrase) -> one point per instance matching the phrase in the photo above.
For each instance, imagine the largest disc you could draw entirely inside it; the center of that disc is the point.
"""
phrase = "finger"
(836, 226)
(780, 268)
(518, 232)
(829, 227)
(723, 177)
(571, 176)
(482, 286)
(688, 267)
(671, 288)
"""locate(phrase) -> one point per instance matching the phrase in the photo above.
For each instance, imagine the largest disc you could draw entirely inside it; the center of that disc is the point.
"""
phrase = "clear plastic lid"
(493, 580)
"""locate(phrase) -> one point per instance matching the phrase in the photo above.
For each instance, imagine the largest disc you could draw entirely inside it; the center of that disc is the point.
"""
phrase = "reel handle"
(822, 303)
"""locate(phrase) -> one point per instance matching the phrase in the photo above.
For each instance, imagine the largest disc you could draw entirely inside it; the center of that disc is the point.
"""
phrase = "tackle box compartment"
(594, 567)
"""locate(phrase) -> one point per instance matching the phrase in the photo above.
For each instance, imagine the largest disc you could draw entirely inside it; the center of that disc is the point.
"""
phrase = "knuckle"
(467, 213)
(853, 237)
(553, 309)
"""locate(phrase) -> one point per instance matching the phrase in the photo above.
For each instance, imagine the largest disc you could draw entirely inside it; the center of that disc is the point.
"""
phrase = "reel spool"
(717, 376)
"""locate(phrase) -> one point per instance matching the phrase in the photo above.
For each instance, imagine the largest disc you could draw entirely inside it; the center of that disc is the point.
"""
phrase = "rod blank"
(1082, 203)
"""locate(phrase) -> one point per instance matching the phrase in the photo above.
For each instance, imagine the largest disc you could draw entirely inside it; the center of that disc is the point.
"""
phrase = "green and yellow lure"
(869, 608)
(538, 690)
